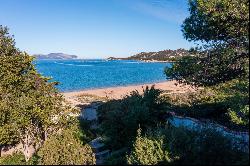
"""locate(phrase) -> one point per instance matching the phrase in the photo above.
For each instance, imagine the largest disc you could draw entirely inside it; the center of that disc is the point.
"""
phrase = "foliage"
(65, 148)
(222, 27)
(17, 159)
(208, 69)
(30, 106)
(226, 103)
(148, 151)
(241, 117)
(172, 145)
(203, 146)
(217, 20)
(125, 116)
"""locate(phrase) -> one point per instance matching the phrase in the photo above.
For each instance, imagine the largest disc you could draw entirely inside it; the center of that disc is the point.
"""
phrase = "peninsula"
(165, 55)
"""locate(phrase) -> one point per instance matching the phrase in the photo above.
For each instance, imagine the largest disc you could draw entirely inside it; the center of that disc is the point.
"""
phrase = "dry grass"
(89, 98)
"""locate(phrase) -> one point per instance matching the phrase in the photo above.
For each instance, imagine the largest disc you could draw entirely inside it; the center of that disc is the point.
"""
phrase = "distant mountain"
(55, 56)
(165, 55)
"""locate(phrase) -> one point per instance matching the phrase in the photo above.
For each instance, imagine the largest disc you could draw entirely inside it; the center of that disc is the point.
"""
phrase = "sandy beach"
(121, 91)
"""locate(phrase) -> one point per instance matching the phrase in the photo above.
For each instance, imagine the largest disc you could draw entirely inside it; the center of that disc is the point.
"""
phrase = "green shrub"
(148, 151)
(172, 145)
(65, 148)
(17, 159)
(240, 117)
(202, 147)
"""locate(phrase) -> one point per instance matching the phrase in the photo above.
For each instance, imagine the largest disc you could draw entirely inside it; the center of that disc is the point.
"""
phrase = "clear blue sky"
(95, 28)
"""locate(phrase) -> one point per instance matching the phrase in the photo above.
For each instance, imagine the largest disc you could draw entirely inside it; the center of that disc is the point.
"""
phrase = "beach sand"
(121, 91)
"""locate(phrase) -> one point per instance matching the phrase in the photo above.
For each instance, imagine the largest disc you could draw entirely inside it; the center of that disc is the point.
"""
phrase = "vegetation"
(181, 146)
(219, 68)
(223, 28)
(88, 98)
(65, 148)
(34, 114)
(221, 64)
(17, 159)
(153, 142)
(165, 55)
(148, 151)
(28, 102)
(225, 103)
(145, 110)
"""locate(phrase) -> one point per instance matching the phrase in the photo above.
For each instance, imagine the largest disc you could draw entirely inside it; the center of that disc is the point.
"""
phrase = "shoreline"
(118, 92)
(105, 87)
(147, 61)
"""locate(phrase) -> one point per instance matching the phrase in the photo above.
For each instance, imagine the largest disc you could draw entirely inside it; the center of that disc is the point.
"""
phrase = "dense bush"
(181, 146)
(65, 148)
(120, 119)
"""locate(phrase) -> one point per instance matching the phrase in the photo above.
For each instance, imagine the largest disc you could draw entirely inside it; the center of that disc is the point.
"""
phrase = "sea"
(77, 74)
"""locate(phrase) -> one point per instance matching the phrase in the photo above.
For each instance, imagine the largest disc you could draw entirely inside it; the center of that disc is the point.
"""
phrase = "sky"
(95, 28)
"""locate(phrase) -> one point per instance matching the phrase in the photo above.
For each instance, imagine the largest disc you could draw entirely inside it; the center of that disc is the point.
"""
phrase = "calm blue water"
(86, 74)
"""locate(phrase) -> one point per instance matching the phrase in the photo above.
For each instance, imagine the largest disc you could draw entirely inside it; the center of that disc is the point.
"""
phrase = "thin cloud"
(168, 10)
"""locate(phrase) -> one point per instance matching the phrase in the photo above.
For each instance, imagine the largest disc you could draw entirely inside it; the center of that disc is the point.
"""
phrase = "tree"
(222, 28)
(30, 107)
(65, 149)
(217, 20)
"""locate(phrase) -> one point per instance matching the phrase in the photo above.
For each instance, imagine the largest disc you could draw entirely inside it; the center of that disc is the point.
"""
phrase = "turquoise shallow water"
(78, 74)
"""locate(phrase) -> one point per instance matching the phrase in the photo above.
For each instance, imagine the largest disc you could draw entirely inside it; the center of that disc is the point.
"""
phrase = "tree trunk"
(28, 147)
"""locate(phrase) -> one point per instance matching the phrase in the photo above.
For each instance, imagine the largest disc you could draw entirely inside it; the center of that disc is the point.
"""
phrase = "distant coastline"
(142, 60)
(54, 56)
(160, 56)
